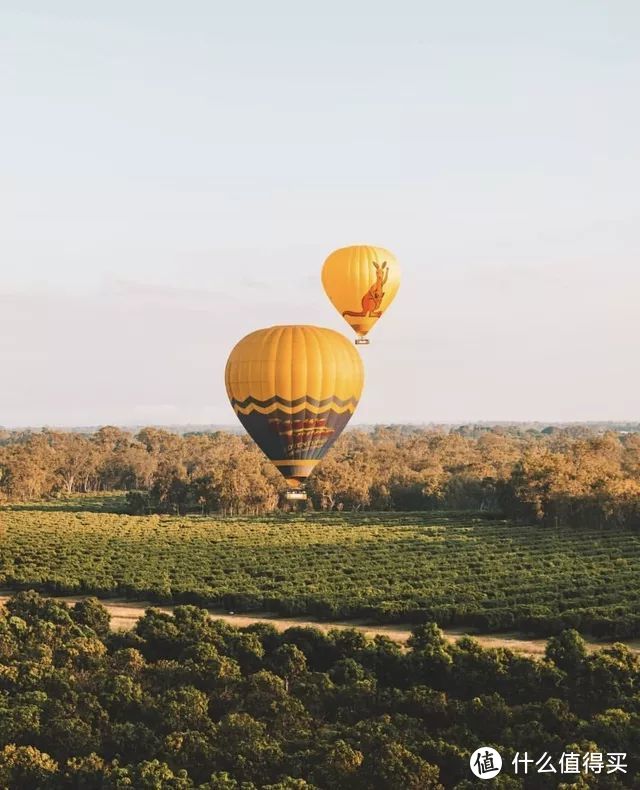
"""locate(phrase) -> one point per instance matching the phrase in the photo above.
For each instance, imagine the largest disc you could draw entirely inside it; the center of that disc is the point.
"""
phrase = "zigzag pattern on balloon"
(304, 403)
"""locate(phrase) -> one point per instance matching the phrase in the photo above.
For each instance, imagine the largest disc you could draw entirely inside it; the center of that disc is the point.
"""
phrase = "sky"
(172, 176)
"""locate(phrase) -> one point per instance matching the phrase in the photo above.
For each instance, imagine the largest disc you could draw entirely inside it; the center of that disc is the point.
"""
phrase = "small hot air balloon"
(294, 389)
(361, 282)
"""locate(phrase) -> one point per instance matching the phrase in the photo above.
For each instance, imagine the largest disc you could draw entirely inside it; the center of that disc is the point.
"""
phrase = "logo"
(303, 434)
(485, 762)
(372, 300)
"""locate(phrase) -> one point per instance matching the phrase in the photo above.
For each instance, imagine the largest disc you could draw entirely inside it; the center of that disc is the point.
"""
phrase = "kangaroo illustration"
(372, 300)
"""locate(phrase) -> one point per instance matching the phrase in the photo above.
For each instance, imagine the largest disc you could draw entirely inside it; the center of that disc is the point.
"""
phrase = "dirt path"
(125, 614)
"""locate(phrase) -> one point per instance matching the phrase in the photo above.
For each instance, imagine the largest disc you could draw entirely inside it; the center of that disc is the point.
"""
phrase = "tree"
(26, 766)
(92, 613)
(289, 662)
(567, 651)
(394, 766)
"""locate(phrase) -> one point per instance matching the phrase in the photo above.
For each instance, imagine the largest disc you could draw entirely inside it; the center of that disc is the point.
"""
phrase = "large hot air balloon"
(361, 282)
(294, 388)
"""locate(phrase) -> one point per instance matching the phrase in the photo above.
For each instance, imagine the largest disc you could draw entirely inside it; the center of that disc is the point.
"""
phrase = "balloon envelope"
(361, 282)
(294, 389)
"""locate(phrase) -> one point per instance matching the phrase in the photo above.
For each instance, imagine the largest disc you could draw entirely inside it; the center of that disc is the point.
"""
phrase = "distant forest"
(573, 475)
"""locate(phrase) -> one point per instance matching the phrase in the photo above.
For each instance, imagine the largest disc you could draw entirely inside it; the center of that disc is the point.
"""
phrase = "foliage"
(478, 573)
(578, 476)
(176, 704)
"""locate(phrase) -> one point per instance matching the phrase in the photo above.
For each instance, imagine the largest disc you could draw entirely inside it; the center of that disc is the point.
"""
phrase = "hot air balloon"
(361, 282)
(294, 389)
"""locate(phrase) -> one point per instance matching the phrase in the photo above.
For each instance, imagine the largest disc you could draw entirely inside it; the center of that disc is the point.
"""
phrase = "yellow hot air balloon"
(294, 389)
(361, 282)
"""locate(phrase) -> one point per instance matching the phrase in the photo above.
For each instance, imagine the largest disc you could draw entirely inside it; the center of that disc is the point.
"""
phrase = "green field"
(456, 570)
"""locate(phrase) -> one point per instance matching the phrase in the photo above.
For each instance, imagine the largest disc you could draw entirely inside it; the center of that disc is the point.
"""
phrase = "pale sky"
(172, 176)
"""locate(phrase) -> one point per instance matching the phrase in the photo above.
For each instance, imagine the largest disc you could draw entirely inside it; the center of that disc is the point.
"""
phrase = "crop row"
(458, 571)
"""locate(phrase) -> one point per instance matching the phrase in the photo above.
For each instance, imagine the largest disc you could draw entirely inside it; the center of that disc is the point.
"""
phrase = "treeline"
(569, 476)
(184, 701)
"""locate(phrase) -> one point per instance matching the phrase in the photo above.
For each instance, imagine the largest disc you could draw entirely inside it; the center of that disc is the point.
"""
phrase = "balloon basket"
(295, 495)
(362, 341)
